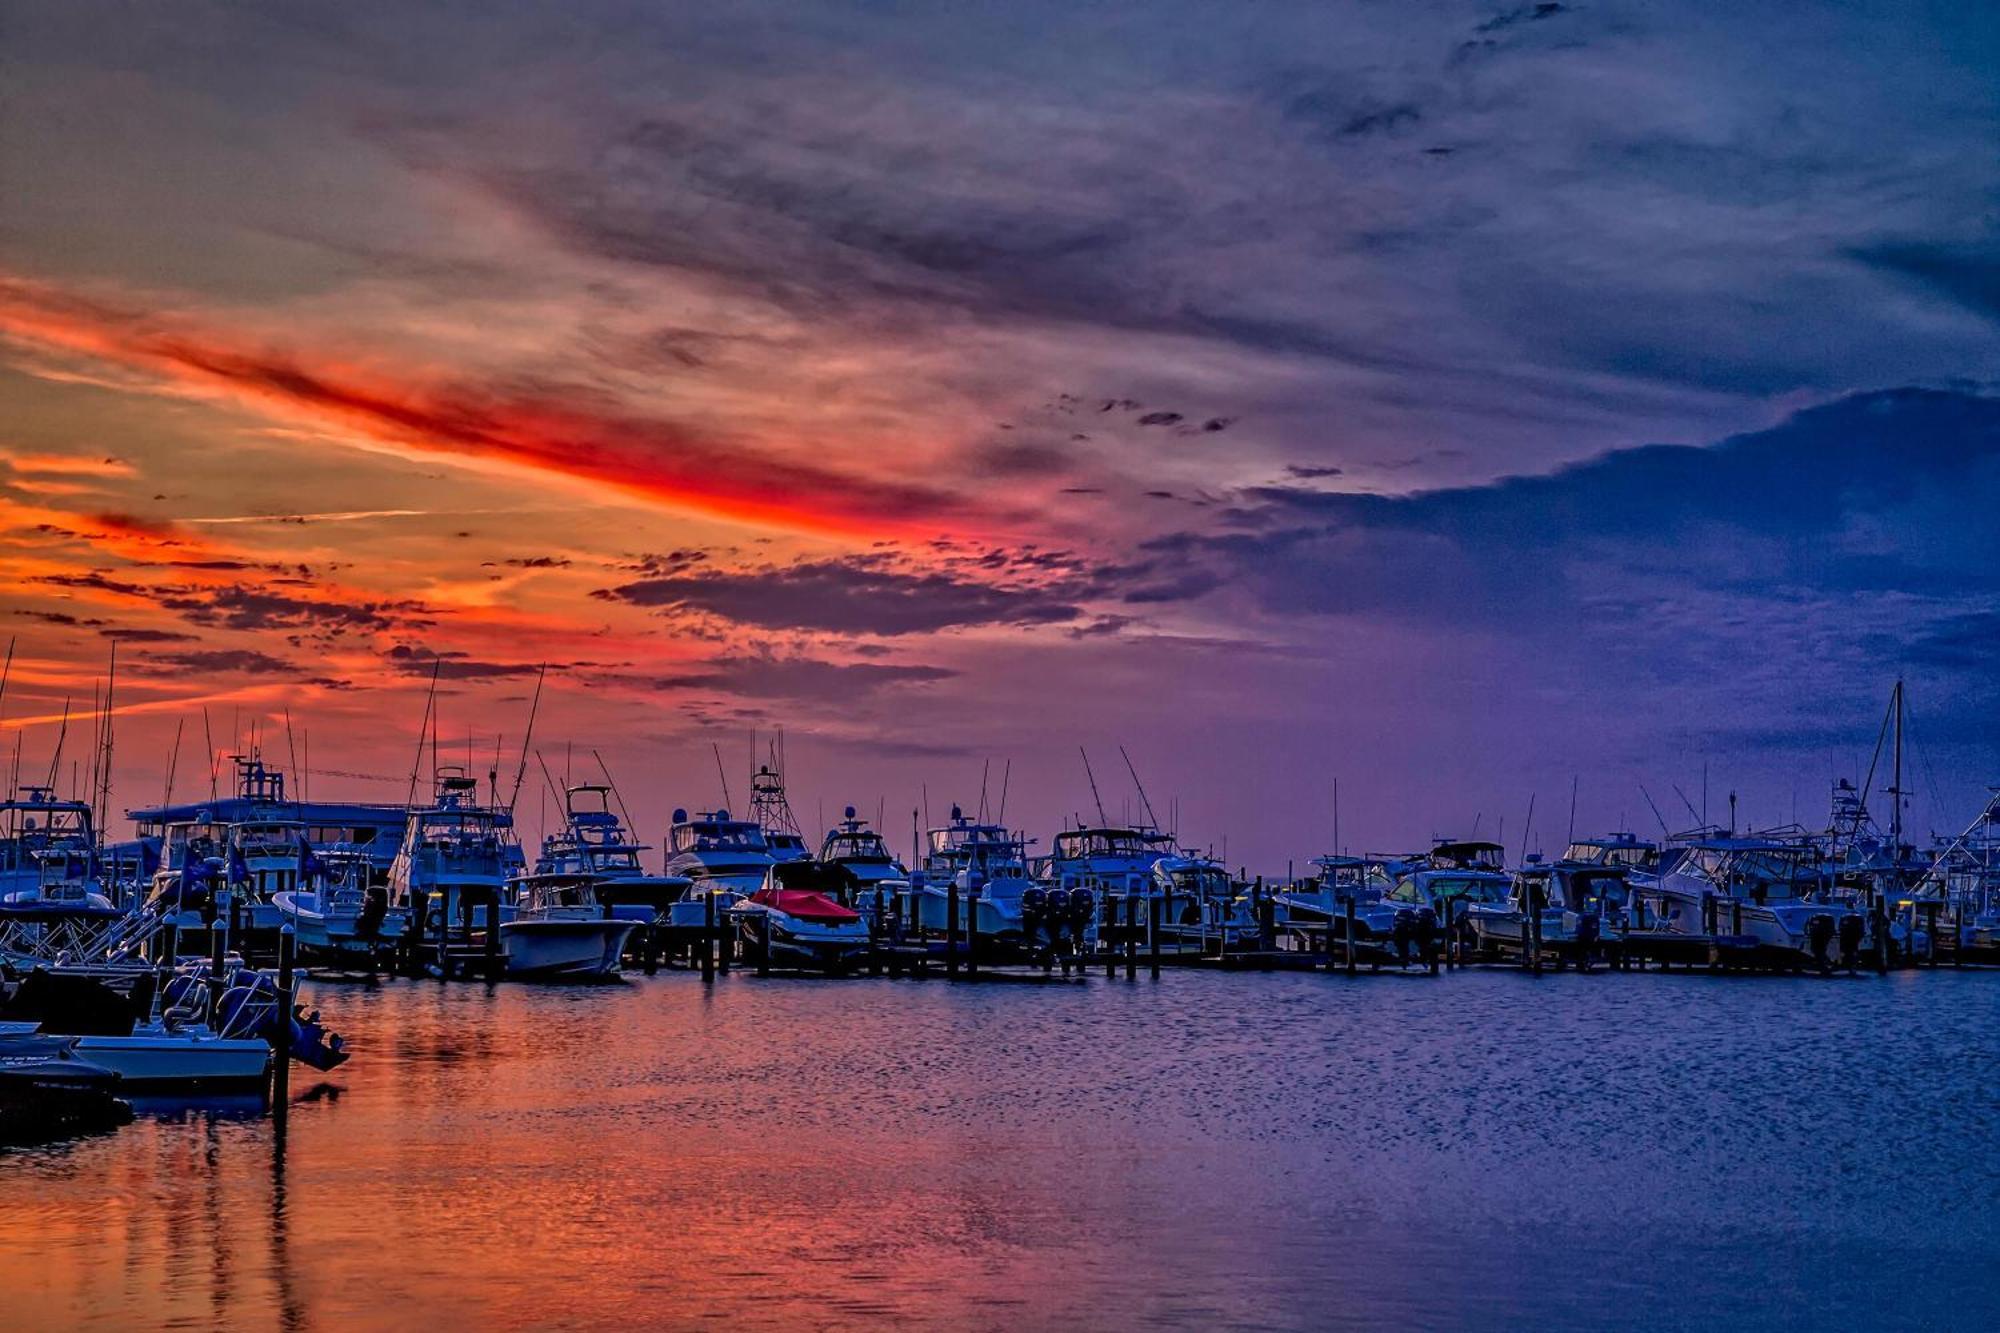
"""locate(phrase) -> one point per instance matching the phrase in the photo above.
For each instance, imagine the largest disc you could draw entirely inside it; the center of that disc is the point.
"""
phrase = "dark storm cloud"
(1879, 497)
(455, 665)
(851, 596)
(1966, 274)
(242, 607)
(805, 679)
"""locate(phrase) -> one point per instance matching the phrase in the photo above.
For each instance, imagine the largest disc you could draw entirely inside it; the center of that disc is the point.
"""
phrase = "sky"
(1461, 403)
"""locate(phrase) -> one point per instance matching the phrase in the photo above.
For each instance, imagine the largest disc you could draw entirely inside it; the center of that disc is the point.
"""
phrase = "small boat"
(337, 910)
(720, 857)
(871, 869)
(30, 1057)
(558, 930)
(1566, 907)
(156, 1055)
(454, 862)
(797, 918)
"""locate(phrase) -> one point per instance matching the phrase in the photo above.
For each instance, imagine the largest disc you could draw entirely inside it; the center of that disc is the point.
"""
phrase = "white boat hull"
(564, 948)
(155, 1059)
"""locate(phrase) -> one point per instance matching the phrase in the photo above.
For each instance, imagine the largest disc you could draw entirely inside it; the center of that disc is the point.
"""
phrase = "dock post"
(1153, 940)
(444, 940)
(1267, 917)
(1535, 927)
(281, 1066)
(216, 983)
(875, 938)
(1349, 941)
(1735, 916)
(1708, 914)
(725, 943)
(708, 936)
(1880, 921)
(1131, 936)
(971, 930)
(494, 964)
(1445, 926)
(764, 948)
(1104, 939)
(951, 930)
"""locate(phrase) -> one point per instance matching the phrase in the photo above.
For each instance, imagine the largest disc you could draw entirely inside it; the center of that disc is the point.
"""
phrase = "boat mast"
(1896, 791)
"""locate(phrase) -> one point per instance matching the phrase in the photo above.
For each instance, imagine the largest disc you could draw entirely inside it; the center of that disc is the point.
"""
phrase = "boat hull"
(150, 1061)
(564, 950)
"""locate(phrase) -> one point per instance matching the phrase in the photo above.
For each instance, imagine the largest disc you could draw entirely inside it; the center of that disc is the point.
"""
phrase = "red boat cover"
(804, 904)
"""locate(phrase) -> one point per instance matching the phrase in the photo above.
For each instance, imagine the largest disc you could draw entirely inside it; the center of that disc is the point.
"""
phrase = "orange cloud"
(659, 461)
(67, 465)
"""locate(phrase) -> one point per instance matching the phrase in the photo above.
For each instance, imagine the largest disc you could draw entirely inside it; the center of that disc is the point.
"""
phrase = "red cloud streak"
(655, 460)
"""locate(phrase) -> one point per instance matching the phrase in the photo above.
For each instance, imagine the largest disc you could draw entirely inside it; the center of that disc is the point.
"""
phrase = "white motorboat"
(337, 910)
(1763, 894)
(559, 932)
(157, 1055)
(987, 866)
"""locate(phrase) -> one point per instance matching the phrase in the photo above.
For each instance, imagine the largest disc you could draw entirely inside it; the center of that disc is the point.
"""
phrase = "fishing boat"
(1201, 905)
(595, 842)
(1562, 907)
(1768, 896)
(987, 866)
(558, 931)
(1459, 880)
(41, 833)
(797, 917)
(336, 909)
(456, 855)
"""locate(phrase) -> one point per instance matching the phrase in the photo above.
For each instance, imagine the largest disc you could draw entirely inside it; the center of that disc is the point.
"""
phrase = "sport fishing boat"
(1107, 860)
(987, 865)
(1965, 873)
(797, 917)
(38, 832)
(456, 855)
(594, 842)
(336, 908)
(1462, 880)
(1767, 893)
(559, 931)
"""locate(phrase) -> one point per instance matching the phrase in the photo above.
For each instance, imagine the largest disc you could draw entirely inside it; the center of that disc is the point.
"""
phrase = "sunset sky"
(1446, 398)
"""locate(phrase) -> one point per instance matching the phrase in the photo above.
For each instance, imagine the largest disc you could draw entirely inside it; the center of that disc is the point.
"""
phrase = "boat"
(986, 866)
(864, 855)
(797, 918)
(558, 931)
(456, 856)
(1564, 907)
(33, 1058)
(720, 857)
(595, 842)
(336, 909)
(1767, 896)
(1201, 905)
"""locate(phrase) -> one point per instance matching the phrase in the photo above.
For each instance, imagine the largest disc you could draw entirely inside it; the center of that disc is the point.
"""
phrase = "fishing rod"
(417, 763)
(527, 737)
(612, 783)
(1151, 818)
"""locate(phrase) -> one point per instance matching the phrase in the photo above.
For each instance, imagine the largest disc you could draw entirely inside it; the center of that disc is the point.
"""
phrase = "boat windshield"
(866, 846)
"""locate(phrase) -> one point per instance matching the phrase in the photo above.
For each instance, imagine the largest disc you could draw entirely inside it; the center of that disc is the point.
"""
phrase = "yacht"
(721, 857)
(986, 864)
(865, 857)
(1107, 861)
(53, 906)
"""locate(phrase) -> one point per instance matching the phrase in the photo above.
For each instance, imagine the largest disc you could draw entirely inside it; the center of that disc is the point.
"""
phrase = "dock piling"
(951, 930)
(1153, 940)
(708, 936)
(281, 1060)
(1349, 940)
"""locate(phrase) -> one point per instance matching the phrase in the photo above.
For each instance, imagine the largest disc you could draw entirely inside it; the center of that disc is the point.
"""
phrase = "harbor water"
(1207, 1151)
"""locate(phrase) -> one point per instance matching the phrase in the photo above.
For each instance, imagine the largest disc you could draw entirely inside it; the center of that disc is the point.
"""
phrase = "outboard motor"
(1034, 908)
(1819, 937)
(374, 907)
(1082, 907)
(1588, 927)
(1851, 929)
(1404, 934)
(1426, 931)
